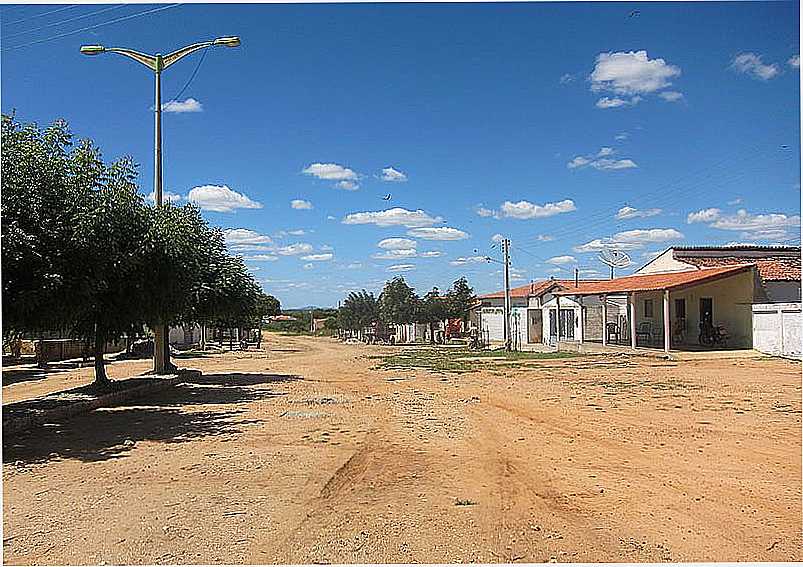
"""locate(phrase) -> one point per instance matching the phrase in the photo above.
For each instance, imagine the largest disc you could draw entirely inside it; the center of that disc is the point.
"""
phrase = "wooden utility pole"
(506, 253)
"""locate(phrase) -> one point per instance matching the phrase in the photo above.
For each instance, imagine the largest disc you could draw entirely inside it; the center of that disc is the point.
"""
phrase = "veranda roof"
(656, 282)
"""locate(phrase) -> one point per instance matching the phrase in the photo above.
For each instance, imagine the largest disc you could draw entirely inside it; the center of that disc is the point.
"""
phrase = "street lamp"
(158, 63)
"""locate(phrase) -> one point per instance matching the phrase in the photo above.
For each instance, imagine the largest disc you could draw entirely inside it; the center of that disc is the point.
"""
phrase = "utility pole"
(506, 253)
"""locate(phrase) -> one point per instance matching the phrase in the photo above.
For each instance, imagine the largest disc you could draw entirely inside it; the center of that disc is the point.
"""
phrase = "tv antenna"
(614, 258)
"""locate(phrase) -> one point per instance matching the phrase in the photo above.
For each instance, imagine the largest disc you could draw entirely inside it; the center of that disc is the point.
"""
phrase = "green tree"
(398, 302)
(460, 299)
(359, 310)
(433, 308)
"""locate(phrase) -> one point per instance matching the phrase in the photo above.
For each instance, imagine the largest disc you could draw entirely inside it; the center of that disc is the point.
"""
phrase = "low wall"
(777, 329)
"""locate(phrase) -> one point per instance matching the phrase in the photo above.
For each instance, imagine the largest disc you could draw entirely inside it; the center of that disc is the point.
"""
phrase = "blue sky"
(566, 127)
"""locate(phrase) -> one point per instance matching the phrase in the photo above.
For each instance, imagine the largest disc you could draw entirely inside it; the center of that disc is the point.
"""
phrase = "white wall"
(777, 329)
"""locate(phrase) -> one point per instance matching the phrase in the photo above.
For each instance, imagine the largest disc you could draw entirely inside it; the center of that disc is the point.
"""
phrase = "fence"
(777, 329)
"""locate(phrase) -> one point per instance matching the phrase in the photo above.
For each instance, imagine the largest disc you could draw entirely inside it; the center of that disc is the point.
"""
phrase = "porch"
(696, 310)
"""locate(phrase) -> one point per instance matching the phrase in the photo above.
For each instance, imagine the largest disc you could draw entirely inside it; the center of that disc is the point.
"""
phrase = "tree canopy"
(82, 251)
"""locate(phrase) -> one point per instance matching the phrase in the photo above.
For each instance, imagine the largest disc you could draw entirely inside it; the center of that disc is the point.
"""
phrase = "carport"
(722, 294)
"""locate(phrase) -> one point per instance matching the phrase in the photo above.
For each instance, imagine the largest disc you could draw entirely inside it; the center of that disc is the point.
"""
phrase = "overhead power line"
(66, 34)
(41, 15)
(68, 20)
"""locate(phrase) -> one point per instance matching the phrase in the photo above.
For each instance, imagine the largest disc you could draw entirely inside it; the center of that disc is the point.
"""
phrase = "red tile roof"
(536, 289)
(770, 269)
(656, 282)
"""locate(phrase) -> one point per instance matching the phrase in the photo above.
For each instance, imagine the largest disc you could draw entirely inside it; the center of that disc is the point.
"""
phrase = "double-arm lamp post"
(158, 63)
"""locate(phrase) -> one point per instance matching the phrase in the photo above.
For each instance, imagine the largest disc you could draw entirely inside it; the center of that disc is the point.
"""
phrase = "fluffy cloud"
(347, 185)
(404, 253)
(628, 212)
(330, 172)
(528, 210)
(671, 96)
(566, 78)
(301, 204)
(630, 239)
(401, 268)
(545, 238)
(221, 199)
(770, 226)
(561, 260)
(396, 216)
(631, 73)
(318, 257)
(261, 258)
(245, 239)
(602, 161)
(794, 61)
(181, 106)
(497, 238)
(438, 233)
(752, 65)
(396, 243)
(463, 260)
(393, 175)
(294, 249)
(704, 215)
(616, 102)
(486, 212)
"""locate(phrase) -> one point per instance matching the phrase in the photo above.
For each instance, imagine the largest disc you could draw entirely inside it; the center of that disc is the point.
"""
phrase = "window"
(680, 308)
(648, 308)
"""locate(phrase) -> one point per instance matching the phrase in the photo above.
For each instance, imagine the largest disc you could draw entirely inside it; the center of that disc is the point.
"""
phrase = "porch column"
(604, 320)
(667, 326)
(631, 314)
(582, 323)
(557, 306)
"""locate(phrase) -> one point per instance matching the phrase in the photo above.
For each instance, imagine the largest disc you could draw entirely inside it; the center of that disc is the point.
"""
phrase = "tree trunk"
(169, 366)
(100, 368)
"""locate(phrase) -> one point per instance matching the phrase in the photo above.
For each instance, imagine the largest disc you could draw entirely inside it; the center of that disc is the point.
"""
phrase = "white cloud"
(631, 239)
(326, 247)
(301, 204)
(354, 266)
(393, 175)
(318, 257)
(330, 171)
(621, 137)
(704, 215)
(497, 238)
(628, 212)
(616, 102)
(430, 254)
(528, 210)
(396, 254)
(605, 151)
(770, 226)
(294, 249)
(794, 61)
(752, 65)
(167, 197)
(486, 212)
(401, 268)
(463, 260)
(330, 217)
(396, 243)
(182, 106)
(671, 96)
(396, 216)
(261, 258)
(243, 237)
(545, 238)
(561, 260)
(438, 233)
(602, 161)
(347, 185)
(221, 199)
(566, 78)
(631, 73)
(736, 201)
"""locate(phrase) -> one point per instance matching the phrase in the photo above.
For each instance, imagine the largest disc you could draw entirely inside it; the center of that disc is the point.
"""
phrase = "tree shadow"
(176, 415)
(242, 379)
(33, 372)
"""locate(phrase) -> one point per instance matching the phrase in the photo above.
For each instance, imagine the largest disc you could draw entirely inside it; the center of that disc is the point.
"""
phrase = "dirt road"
(306, 453)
